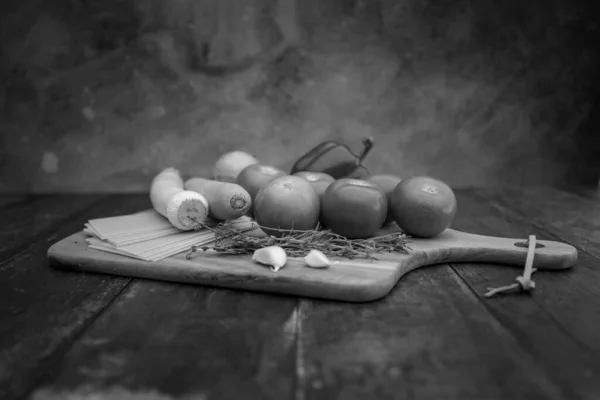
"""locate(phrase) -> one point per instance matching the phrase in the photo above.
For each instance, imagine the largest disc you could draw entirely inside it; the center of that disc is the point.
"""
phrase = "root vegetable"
(183, 208)
(230, 164)
(226, 200)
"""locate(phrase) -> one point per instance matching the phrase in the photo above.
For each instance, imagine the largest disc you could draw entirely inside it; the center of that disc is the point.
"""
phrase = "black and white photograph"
(299, 199)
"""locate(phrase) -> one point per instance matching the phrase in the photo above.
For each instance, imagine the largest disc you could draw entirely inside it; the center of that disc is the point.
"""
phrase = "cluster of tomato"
(354, 208)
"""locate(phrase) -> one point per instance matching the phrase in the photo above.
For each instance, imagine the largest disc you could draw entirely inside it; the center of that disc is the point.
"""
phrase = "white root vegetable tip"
(181, 207)
(178, 210)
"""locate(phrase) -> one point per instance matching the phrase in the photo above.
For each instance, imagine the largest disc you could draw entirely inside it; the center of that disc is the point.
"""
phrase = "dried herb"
(298, 243)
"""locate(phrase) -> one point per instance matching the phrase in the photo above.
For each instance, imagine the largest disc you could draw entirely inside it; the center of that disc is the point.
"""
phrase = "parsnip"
(226, 200)
(230, 164)
(183, 208)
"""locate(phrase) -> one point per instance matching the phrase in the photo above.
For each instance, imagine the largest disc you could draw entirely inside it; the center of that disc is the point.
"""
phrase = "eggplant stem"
(368, 145)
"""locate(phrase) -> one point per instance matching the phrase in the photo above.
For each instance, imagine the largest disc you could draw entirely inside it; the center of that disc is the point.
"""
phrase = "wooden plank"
(26, 222)
(6, 200)
(590, 192)
(42, 309)
(429, 339)
(567, 215)
(553, 323)
(165, 340)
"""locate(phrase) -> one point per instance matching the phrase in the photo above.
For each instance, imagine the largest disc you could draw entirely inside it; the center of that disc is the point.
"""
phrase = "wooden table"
(72, 335)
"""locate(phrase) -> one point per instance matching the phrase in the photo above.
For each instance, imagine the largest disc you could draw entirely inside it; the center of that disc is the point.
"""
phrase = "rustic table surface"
(73, 335)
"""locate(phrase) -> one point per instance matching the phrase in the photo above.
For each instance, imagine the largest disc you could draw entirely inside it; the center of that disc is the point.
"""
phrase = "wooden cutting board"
(347, 280)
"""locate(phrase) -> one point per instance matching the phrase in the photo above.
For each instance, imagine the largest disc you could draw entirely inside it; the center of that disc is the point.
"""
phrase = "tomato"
(254, 177)
(286, 203)
(353, 208)
(387, 183)
(320, 180)
(423, 206)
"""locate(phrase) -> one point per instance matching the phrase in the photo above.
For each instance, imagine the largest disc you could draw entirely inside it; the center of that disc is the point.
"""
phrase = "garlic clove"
(316, 259)
(273, 256)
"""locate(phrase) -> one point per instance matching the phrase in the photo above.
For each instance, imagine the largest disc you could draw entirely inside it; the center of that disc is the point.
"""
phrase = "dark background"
(100, 95)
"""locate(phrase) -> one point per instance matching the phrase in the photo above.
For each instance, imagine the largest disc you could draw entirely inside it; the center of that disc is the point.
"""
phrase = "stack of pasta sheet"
(148, 236)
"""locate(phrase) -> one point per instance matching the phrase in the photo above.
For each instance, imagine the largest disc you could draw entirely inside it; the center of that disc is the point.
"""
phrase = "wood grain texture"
(429, 339)
(348, 280)
(43, 309)
(25, 222)
(172, 341)
(553, 323)
(590, 192)
(569, 216)
(11, 199)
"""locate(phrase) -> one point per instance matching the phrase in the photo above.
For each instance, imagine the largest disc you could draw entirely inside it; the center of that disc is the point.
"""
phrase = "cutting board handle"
(456, 246)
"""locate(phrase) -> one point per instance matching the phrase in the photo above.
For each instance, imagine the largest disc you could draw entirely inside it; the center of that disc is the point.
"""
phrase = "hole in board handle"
(526, 245)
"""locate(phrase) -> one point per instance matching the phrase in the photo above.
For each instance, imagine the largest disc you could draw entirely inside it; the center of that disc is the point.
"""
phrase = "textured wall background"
(101, 95)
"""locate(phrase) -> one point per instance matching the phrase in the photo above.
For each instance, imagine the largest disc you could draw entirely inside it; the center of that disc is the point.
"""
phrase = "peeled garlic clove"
(273, 256)
(316, 259)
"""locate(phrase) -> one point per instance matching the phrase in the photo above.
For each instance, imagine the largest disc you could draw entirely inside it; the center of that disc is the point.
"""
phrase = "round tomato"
(387, 183)
(353, 208)
(254, 177)
(423, 206)
(286, 203)
(320, 181)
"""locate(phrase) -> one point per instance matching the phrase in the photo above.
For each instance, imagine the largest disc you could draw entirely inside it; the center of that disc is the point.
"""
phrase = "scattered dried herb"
(298, 243)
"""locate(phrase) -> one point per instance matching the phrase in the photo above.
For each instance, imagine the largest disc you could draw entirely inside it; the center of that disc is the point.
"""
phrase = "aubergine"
(335, 159)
